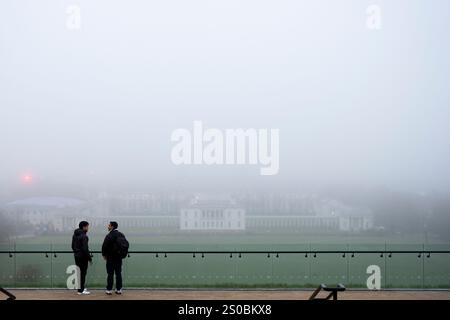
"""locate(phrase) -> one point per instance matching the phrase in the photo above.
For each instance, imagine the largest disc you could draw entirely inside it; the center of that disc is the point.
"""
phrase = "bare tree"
(7, 227)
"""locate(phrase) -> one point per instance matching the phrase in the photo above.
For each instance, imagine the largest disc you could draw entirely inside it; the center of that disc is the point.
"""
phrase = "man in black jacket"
(80, 248)
(110, 252)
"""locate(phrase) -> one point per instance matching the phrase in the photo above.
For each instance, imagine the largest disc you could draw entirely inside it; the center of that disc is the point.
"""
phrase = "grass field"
(249, 270)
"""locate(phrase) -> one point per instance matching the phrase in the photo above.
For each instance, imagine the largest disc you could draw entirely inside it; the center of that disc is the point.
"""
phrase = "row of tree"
(10, 229)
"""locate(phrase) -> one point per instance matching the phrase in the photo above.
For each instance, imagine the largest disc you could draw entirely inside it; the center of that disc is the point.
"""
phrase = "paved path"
(227, 294)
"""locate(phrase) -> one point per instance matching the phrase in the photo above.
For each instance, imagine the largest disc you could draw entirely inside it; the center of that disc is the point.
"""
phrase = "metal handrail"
(352, 252)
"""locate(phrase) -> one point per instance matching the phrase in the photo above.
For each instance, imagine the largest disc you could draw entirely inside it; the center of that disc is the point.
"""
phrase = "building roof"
(212, 202)
(51, 202)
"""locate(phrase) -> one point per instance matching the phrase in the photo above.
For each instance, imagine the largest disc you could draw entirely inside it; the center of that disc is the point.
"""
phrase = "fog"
(96, 106)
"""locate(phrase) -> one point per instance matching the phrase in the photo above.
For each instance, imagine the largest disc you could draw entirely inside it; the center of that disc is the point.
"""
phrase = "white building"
(218, 213)
(355, 223)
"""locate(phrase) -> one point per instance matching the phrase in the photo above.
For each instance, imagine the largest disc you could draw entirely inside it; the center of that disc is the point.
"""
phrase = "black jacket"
(109, 247)
(80, 245)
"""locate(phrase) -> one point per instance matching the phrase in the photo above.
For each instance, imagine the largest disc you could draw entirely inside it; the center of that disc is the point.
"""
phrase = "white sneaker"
(108, 292)
(119, 291)
(85, 292)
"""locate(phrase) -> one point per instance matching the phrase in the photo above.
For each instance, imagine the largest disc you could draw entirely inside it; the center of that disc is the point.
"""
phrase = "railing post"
(348, 265)
(51, 266)
(271, 263)
(385, 266)
(15, 265)
(423, 266)
(309, 265)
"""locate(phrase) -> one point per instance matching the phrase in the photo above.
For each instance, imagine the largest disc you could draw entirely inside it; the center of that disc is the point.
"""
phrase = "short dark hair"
(114, 224)
(83, 224)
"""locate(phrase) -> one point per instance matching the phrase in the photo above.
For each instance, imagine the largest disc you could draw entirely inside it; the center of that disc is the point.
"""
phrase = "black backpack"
(122, 245)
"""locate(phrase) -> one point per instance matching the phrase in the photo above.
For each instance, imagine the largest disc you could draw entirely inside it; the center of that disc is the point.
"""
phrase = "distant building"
(137, 204)
(47, 213)
(137, 223)
(140, 212)
(212, 213)
(359, 223)
(292, 212)
(308, 223)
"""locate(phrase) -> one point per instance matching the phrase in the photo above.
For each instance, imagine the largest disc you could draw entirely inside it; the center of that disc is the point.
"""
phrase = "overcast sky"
(98, 104)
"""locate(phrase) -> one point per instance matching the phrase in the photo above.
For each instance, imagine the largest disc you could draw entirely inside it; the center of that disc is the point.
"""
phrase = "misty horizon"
(96, 107)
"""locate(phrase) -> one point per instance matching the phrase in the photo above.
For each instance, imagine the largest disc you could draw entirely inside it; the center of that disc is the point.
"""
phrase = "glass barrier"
(7, 267)
(292, 270)
(403, 270)
(32, 269)
(436, 267)
(306, 265)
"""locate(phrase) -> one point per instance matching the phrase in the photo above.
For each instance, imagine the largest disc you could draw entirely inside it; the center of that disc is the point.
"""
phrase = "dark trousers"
(114, 266)
(82, 263)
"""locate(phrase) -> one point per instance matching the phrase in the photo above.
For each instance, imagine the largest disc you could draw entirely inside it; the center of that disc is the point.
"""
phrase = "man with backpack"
(114, 249)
